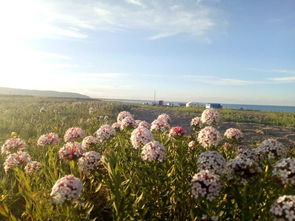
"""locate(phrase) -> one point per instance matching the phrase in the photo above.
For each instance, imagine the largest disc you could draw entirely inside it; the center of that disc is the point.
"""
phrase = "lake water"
(272, 108)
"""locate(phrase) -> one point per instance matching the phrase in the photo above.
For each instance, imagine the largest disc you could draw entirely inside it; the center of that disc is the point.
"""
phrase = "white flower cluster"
(233, 134)
(123, 115)
(284, 171)
(67, 187)
(88, 141)
(248, 153)
(284, 208)
(206, 184)
(164, 117)
(32, 167)
(153, 151)
(212, 161)
(15, 159)
(105, 132)
(13, 144)
(127, 122)
(160, 125)
(89, 162)
(144, 124)
(191, 144)
(73, 133)
(272, 149)
(209, 137)
(70, 151)
(210, 117)
(136, 123)
(242, 167)
(176, 132)
(48, 139)
(196, 123)
(140, 136)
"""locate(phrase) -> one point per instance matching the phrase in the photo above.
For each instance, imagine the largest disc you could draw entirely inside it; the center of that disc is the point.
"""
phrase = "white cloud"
(279, 71)
(290, 79)
(213, 80)
(54, 18)
(107, 75)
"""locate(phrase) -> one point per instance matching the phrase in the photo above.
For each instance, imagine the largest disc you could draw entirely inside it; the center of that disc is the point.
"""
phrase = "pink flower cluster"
(123, 115)
(164, 117)
(206, 184)
(73, 133)
(209, 137)
(233, 134)
(48, 139)
(70, 151)
(116, 126)
(32, 167)
(88, 141)
(144, 124)
(89, 162)
(176, 132)
(140, 136)
(105, 132)
(127, 122)
(153, 151)
(13, 144)
(67, 187)
(196, 123)
(210, 117)
(160, 125)
(15, 159)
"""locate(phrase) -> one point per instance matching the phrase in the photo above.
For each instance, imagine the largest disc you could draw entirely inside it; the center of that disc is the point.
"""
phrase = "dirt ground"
(253, 133)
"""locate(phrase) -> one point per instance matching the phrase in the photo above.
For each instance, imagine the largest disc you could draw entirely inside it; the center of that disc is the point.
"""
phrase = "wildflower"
(210, 117)
(127, 122)
(144, 124)
(153, 151)
(140, 136)
(116, 126)
(91, 110)
(160, 125)
(67, 187)
(32, 167)
(248, 153)
(211, 161)
(15, 159)
(42, 109)
(89, 162)
(105, 132)
(136, 123)
(123, 115)
(88, 141)
(243, 167)
(176, 132)
(284, 208)
(284, 171)
(13, 144)
(196, 123)
(164, 117)
(233, 134)
(272, 149)
(70, 151)
(48, 139)
(73, 133)
(209, 137)
(206, 184)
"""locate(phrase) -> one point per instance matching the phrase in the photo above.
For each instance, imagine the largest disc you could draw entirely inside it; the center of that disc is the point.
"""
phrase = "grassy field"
(124, 186)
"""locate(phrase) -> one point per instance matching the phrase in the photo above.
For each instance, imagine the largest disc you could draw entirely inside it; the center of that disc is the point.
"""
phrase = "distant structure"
(189, 104)
(161, 102)
(213, 106)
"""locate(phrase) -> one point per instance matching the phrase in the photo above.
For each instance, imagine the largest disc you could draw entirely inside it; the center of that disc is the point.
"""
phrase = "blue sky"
(227, 51)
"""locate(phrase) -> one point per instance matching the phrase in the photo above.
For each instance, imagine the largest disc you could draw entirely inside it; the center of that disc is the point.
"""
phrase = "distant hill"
(40, 93)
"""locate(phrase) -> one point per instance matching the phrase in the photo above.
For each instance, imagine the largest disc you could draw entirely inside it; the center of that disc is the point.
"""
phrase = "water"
(272, 108)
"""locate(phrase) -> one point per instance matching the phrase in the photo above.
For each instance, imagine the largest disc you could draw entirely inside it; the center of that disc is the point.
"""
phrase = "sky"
(226, 51)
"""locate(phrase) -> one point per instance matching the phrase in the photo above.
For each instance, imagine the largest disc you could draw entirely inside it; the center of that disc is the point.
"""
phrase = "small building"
(189, 104)
(161, 102)
(217, 106)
